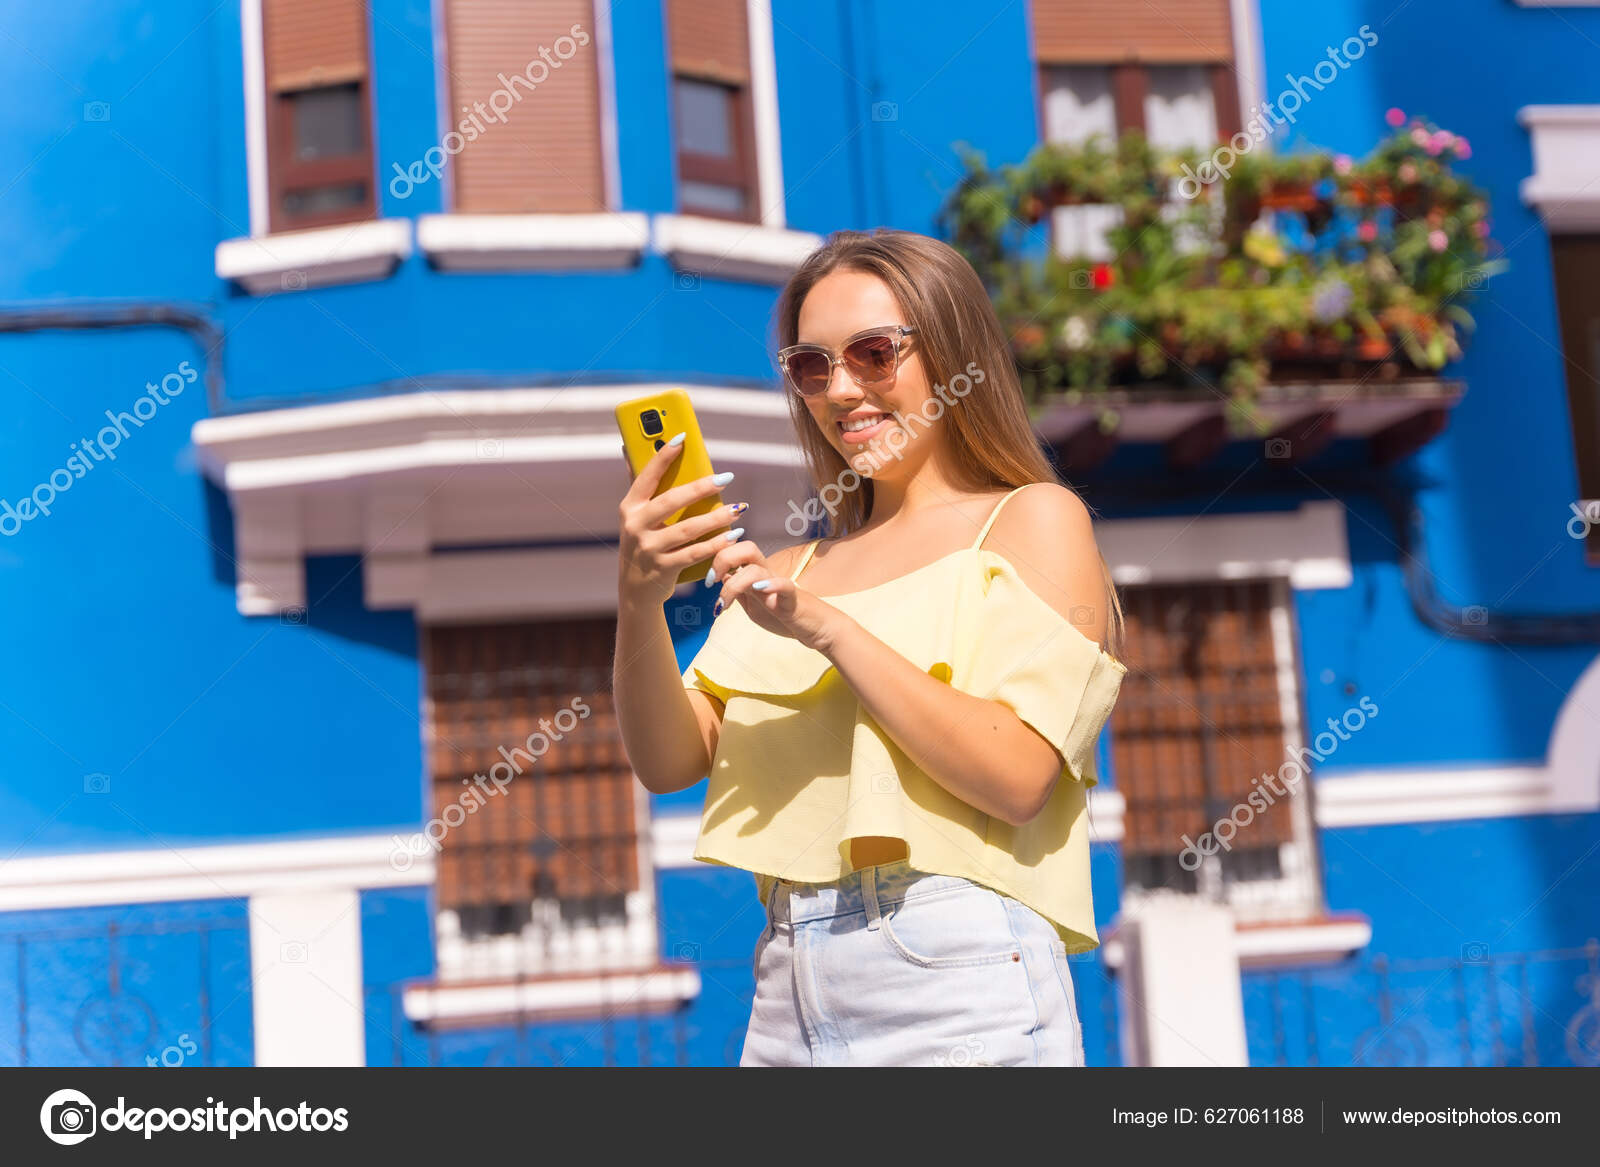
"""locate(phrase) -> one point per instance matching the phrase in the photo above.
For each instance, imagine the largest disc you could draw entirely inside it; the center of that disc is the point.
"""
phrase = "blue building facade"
(291, 451)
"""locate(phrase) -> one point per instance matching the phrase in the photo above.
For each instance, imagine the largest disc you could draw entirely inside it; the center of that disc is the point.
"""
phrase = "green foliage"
(1284, 262)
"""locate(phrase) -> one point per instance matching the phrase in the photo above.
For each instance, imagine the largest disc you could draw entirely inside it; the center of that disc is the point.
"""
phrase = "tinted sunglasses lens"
(808, 372)
(871, 359)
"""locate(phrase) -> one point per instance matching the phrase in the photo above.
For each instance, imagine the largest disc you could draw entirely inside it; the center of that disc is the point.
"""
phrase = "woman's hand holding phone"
(652, 553)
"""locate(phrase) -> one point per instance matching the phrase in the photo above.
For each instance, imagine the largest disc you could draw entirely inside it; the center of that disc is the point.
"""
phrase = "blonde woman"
(899, 720)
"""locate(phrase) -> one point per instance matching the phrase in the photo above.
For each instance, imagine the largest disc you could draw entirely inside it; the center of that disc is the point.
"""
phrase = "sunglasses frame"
(835, 357)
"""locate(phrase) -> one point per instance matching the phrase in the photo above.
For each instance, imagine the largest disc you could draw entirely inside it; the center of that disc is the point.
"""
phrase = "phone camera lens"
(651, 420)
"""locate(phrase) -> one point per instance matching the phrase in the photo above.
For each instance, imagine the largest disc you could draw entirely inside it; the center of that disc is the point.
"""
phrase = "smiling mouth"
(862, 429)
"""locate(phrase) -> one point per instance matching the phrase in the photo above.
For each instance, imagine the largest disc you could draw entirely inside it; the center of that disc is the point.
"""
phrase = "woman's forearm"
(659, 730)
(977, 749)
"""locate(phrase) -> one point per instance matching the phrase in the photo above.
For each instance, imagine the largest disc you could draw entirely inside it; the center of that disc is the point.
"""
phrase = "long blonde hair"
(991, 440)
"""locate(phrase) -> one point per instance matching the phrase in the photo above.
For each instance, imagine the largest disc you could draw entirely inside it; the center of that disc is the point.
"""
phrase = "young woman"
(899, 721)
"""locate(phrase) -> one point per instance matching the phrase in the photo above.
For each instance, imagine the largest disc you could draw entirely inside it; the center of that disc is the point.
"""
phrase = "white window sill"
(1565, 184)
(292, 261)
(574, 242)
(725, 249)
(1323, 940)
(646, 991)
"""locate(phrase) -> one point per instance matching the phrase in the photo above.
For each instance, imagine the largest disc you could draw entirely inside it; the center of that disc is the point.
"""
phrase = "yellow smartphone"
(646, 423)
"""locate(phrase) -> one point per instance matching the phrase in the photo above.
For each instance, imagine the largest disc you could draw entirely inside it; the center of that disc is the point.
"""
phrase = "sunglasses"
(872, 358)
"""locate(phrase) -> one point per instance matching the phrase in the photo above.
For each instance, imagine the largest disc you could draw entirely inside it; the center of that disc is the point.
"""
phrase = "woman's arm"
(668, 733)
(977, 749)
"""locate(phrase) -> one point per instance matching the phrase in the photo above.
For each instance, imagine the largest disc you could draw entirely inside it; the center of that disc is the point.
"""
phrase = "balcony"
(1294, 298)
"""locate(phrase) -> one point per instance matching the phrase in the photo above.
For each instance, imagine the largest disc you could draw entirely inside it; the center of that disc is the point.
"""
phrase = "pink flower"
(1438, 240)
(1407, 172)
(1395, 117)
(1481, 228)
(1463, 150)
(1443, 140)
(1368, 231)
(1342, 164)
(1421, 137)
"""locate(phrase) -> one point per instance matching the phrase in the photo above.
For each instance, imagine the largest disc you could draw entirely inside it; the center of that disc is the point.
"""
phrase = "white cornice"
(1565, 184)
(293, 261)
(724, 249)
(461, 242)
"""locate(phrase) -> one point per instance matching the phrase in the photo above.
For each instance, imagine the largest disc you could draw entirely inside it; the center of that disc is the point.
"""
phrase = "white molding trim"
(1248, 56)
(673, 836)
(1307, 545)
(611, 158)
(305, 979)
(255, 115)
(631, 992)
(764, 102)
(1312, 941)
(294, 260)
(458, 242)
(1565, 184)
(726, 249)
(228, 871)
(529, 475)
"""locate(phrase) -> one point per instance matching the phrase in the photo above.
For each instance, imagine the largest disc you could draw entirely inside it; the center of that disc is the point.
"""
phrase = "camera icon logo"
(491, 449)
(295, 614)
(687, 281)
(97, 783)
(1278, 449)
(1473, 280)
(294, 281)
(292, 952)
(96, 111)
(68, 1117)
(885, 111)
(1080, 280)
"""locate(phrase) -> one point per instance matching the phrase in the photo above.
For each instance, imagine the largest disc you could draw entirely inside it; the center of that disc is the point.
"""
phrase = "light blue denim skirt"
(892, 966)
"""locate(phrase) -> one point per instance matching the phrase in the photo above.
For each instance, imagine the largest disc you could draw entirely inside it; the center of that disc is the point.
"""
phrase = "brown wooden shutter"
(546, 154)
(1152, 31)
(310, 43)
(1576, 261)
(564, 827)
(710, 39)
(1199, 716)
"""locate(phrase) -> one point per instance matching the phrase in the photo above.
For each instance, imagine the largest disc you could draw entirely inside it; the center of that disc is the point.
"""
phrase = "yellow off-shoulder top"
(801, 768)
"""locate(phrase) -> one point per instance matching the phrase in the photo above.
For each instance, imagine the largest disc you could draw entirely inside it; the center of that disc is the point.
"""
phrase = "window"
(319, 115)
(523, 130)
(1106, 68)
(713, 123)
(1576, 261)
(1210, 705)
(537, 808)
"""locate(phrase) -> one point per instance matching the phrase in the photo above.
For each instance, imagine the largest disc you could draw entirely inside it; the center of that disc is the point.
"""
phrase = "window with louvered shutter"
(506, 702)
(713, 118)
(1199, 721)
(524, 82)
(319, 113)
(1577, 276)
(1168, 67)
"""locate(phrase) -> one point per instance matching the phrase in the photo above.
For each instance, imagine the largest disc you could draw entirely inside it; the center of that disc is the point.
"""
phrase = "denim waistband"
(791, 902)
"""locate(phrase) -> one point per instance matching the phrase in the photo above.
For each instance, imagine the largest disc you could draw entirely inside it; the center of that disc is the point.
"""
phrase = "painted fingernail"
(735, 535)
(738, 509)
(723, 479)
(761, 585)
(711, 576)
(676, 439)
(716, 609)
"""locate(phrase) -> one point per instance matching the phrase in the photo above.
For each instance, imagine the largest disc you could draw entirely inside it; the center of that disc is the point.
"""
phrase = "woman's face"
(838, 306)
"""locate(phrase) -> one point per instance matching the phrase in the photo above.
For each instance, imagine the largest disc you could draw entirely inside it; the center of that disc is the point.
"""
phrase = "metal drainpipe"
(206, 334)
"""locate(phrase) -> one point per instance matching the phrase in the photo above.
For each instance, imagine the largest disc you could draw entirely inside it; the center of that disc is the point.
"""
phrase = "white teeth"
(863, 423)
